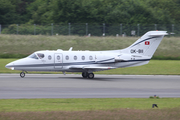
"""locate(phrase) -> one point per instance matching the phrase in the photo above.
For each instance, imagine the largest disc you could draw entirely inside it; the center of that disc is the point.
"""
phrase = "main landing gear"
(88, 75)
(22, 74)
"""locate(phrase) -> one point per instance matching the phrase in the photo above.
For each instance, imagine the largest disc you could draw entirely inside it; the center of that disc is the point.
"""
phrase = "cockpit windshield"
(33, 56)
(36, 56)
(40, 55)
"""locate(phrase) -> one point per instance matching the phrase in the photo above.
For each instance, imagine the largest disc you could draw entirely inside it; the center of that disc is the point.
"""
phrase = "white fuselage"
(70, 61)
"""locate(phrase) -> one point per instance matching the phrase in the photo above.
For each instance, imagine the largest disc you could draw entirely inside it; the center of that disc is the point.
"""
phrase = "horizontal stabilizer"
(159, 34)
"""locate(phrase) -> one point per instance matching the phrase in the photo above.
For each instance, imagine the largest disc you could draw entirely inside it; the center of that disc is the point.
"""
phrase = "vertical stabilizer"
(147, 44)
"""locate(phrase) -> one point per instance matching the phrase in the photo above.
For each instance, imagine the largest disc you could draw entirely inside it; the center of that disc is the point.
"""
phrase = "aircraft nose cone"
(10, 66)
(7, 66)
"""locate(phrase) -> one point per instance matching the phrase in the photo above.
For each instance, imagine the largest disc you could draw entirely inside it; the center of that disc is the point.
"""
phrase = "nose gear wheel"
(22, 74)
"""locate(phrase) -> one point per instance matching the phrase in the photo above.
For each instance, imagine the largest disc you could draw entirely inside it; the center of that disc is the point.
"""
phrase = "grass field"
(154, 67)
(87, 109)
(84, 104)
(27, 44)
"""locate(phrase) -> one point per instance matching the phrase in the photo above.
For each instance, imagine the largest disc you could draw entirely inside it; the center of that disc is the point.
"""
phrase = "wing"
(91, 67)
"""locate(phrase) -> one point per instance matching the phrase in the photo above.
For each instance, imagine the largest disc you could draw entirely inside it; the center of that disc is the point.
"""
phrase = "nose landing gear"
(88, 75)
(22, 74)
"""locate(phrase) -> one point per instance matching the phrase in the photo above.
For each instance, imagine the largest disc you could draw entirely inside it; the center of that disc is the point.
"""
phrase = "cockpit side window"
(33, 56)
(40, 55)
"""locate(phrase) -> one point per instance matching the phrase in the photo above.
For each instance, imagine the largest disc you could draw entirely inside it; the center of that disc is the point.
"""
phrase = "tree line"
(89, 11)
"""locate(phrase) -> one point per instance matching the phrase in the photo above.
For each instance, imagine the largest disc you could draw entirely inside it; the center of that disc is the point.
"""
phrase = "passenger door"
(58, 61)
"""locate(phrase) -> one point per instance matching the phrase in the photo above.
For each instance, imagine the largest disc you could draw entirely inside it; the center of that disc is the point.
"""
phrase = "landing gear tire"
(22, 74)
(84, 74)
(91, 75)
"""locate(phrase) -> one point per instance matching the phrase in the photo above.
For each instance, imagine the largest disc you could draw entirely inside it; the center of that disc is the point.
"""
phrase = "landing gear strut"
(88, 75)
(22, 74)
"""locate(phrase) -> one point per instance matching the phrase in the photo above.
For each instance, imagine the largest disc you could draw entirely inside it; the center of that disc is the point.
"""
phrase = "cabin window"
(67, 57)
(83, 57)
(33, 56)
(40, 55)
(49, 57)
(58, 57)
(90, 57)
(75, 57)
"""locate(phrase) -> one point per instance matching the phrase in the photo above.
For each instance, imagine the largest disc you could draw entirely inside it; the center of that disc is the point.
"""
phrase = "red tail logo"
(147, 42)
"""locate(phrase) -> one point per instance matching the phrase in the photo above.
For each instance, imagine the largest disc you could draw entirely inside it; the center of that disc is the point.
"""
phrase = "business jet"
(87, 62)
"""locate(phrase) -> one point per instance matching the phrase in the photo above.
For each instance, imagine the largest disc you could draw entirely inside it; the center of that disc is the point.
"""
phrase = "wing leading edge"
(89, 67)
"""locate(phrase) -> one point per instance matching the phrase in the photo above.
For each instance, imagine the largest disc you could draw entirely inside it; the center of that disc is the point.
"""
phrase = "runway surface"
(74, 86)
